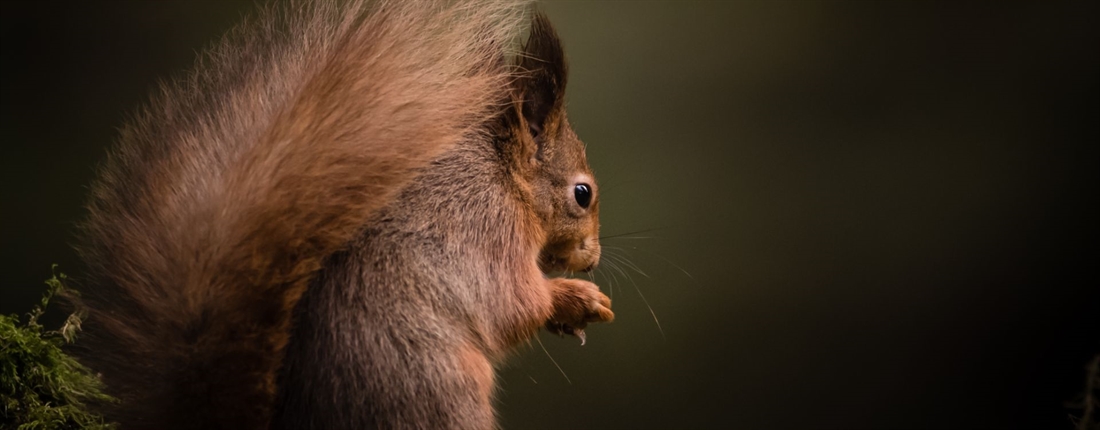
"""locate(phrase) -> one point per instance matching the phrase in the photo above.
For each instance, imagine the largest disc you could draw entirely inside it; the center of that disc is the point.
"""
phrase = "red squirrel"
(344, 217)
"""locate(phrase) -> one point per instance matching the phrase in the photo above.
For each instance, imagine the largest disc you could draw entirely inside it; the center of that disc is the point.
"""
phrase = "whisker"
(625, 261)
(639, 291)
(628, 233)
(553, 361)
(666, 261)
(610, 288)
(614, 279)
(617, 268)
(610, 277)
(591, 275)
(654, 314)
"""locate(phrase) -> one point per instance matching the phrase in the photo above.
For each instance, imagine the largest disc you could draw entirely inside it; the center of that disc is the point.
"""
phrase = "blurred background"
(819, 214)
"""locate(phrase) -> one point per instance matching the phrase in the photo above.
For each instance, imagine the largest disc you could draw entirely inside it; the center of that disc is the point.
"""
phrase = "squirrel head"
(547, 159)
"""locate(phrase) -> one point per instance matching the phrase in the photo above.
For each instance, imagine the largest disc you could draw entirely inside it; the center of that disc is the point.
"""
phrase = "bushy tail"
(225, 194)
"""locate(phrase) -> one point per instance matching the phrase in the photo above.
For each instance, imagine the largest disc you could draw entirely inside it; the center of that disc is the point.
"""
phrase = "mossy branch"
(41, 387)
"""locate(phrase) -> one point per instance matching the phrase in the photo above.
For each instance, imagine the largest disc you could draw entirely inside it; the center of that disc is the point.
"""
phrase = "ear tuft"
(542, 84)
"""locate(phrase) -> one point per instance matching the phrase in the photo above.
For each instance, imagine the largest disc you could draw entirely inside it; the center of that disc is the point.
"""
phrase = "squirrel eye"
(583, 194)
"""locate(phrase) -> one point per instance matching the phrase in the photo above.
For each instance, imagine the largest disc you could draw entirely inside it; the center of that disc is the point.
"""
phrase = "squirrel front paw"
(577, 303)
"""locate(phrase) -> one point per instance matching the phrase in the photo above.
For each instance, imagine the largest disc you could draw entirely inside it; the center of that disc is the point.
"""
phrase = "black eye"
(583, 194)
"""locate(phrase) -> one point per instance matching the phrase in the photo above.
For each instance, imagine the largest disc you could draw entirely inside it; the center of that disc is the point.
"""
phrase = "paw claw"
(577, 303)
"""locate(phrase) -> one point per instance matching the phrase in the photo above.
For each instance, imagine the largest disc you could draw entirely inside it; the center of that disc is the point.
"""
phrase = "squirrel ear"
(541, 86)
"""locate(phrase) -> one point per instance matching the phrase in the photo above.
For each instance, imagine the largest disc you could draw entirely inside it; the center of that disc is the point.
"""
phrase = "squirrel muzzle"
(571, 256)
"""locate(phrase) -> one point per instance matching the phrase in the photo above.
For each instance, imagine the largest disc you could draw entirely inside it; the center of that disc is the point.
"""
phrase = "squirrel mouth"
(550, 263)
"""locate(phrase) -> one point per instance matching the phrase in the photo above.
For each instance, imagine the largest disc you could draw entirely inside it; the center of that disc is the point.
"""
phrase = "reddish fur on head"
(553, 162)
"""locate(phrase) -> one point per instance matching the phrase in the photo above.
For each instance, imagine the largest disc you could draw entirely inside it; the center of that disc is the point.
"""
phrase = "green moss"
(40, 386)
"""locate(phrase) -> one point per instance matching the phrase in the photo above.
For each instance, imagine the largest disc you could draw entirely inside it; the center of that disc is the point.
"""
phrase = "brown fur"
(401, 330)
(285, 161)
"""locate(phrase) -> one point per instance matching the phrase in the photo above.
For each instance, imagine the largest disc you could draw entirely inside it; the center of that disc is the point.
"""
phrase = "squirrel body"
(422, 306)
(344, 218)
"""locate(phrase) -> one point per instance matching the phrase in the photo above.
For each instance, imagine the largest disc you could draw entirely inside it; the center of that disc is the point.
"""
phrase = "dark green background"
(888, 210)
